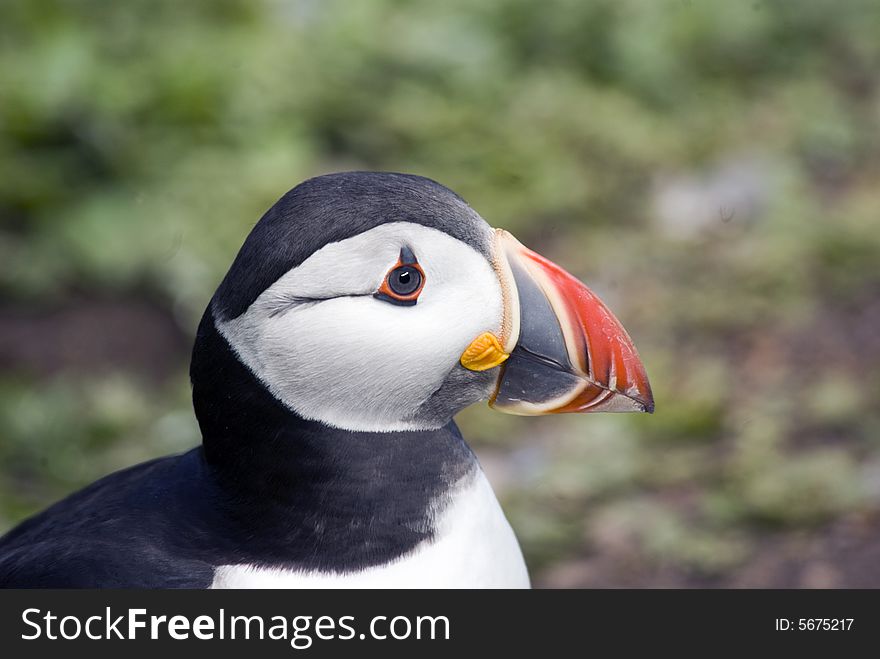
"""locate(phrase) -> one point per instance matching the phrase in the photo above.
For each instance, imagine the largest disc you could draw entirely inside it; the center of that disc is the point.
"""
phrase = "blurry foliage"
(711, 169)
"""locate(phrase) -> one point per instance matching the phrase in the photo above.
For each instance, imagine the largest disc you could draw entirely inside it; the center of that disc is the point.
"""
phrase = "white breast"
(474, 547)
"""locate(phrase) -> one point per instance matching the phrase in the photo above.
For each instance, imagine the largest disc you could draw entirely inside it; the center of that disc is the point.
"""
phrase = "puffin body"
(362, 313)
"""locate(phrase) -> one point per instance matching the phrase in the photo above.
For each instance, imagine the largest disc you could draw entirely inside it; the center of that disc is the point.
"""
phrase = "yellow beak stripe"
(483, 353)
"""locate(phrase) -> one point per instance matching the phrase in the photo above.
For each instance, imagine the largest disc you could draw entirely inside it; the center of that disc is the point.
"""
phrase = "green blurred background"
(711, 169)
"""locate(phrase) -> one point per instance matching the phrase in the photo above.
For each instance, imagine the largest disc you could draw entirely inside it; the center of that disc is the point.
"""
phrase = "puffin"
(363, 311)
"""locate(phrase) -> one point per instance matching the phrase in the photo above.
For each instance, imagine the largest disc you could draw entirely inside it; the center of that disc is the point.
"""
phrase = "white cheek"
(366, 364)
(361, 363)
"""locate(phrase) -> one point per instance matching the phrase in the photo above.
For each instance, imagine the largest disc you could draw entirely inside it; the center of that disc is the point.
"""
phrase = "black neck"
(309, 494)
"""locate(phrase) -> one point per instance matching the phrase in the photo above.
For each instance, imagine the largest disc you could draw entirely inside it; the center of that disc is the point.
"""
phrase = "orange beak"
(564, 351)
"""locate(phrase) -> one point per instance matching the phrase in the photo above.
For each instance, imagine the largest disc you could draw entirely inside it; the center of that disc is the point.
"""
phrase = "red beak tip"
(643, 396)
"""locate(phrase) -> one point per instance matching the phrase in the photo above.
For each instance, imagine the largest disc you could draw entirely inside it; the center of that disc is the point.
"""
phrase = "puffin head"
(383, 302)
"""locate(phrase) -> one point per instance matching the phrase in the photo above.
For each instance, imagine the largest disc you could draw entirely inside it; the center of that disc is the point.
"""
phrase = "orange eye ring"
(404, 282)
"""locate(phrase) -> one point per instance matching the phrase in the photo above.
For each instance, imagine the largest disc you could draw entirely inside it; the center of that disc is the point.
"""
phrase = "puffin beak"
(560, 349)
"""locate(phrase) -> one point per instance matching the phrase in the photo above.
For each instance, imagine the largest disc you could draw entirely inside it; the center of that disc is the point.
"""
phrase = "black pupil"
(404, 280)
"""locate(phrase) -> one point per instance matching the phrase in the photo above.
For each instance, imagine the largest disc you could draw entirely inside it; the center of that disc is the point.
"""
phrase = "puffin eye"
(404, 282)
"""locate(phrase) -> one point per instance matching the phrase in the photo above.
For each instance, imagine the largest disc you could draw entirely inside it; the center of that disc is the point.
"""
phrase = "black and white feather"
(329, 455)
